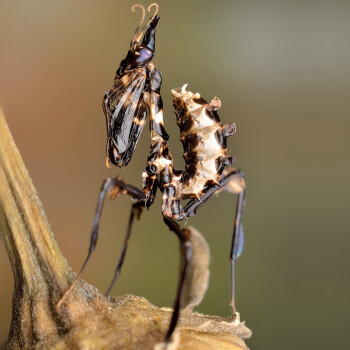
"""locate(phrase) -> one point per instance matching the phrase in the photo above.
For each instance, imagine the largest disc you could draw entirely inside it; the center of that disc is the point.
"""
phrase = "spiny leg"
(233, 181)
(135, 209)
(113, 186)
(186, 254)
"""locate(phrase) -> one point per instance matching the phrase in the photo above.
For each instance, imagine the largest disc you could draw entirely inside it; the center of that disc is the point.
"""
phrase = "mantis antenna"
(137, 37)
(143, 15)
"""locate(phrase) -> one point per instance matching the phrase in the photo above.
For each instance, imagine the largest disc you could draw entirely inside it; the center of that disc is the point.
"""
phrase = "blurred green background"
(282, 72)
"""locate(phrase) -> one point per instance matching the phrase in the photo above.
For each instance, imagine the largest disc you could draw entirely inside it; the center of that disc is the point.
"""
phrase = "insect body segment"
(204, 141)
(205, 151)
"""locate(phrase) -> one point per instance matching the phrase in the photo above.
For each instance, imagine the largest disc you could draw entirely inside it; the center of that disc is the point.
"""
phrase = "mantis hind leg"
(186, 254)
(232, 181)
(136, 210)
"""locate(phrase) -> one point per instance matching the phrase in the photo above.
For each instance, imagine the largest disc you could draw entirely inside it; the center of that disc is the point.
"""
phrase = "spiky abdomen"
(204, 141)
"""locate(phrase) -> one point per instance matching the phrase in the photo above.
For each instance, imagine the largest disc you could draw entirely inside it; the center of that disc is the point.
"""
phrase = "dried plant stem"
(86, 319)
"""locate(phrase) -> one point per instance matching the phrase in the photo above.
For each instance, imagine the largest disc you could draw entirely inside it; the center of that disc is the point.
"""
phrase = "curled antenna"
(137, 37)
(149, 10)
(143, 15)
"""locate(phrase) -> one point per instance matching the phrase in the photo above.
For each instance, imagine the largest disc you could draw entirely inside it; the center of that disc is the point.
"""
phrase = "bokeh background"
(282, 72)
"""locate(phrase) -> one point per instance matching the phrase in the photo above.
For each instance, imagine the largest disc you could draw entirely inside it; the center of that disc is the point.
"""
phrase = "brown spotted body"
(204, 141)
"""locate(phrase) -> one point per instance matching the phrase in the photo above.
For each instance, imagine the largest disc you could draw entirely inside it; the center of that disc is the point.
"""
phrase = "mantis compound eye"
(141, 56)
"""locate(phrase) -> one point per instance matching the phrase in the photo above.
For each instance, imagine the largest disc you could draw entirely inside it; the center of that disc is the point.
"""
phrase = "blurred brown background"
(281, 70)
